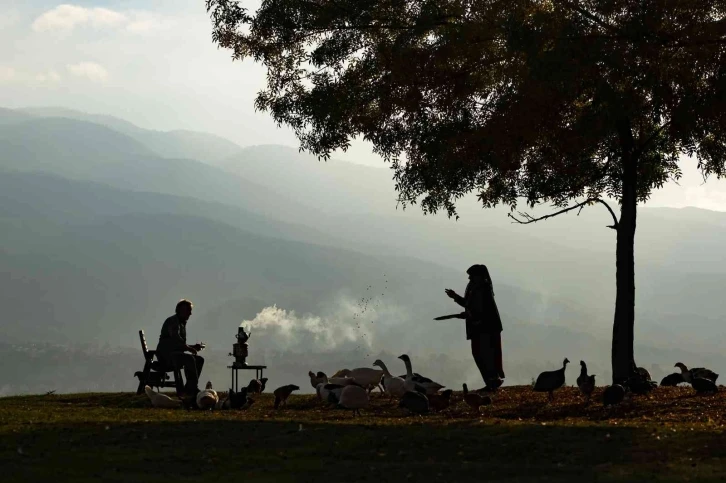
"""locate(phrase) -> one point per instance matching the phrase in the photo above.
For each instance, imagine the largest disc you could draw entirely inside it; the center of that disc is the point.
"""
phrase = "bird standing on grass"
(282, 393)
(585, 383)
(550, 381)
(475, 400)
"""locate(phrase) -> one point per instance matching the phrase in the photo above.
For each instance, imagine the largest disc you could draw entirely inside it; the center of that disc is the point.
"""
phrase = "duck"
(550, 381)
(207, 398)
(415, 402)
(585, 383)
(703, 385)
(672, 379)
(282, 393)
(318, 378)
(689, 374)
(427, 387)
(475, 400)
(159, 400)
(354, 397)
(439, 402)
(392, 385)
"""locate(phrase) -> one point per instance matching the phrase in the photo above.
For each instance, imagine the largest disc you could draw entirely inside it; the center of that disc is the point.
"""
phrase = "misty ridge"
(106, 226)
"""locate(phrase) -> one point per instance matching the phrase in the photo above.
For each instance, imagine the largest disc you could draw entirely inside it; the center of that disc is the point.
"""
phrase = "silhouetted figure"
(483, 325)
(173, 346)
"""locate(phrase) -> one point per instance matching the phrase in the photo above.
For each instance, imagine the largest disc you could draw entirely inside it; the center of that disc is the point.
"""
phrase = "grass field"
(669, 435)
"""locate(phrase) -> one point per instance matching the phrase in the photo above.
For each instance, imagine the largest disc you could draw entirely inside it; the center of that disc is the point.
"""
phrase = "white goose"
(159, 400)
(424, 385)
(392, 385)
(207, 399)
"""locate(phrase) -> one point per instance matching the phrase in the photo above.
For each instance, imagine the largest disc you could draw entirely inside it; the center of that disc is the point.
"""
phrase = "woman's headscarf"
(483, 272)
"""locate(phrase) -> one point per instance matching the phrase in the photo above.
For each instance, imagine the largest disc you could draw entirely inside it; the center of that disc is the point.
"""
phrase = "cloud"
(67, 17)
(12, 75)
(90, 70)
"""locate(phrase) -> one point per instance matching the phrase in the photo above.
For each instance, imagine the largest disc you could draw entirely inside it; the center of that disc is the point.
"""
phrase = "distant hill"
(167, 144)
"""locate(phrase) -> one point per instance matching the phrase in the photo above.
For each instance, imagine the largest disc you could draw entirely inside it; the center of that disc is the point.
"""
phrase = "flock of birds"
(351, 389)
(640, 382)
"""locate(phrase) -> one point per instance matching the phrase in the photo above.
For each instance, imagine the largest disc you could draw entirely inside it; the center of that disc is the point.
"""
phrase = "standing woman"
(483, 325)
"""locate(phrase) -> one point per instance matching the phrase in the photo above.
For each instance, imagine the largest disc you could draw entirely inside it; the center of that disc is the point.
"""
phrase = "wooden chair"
(154, 373)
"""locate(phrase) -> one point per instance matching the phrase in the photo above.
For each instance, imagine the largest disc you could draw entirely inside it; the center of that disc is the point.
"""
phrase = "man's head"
(184, 309)
(478, 272)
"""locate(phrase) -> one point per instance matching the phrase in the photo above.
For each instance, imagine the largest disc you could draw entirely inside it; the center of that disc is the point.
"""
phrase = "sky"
(154, 63)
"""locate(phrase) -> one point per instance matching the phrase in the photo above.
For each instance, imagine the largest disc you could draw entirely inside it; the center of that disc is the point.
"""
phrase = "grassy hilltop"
(669, 435)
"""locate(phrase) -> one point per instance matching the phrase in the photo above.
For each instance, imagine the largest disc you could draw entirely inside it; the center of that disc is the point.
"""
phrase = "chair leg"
(178, 381)
(144, 377)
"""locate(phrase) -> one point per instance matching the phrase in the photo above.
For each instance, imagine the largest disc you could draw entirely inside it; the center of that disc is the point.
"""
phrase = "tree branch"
(530, 219)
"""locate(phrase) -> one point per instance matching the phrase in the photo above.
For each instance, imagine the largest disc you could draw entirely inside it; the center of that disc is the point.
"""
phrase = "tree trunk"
(624, 324)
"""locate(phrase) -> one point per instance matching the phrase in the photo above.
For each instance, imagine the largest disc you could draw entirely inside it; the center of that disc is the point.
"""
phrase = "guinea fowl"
(282, 393)
(672, 379)
(263, 383)
(689, 374)
(549, 381)
(254, 387)
(237, 399)
(703, 385)
(475, 400)
(613, 395)
(585, 383)
(439, 402)
(415, 402)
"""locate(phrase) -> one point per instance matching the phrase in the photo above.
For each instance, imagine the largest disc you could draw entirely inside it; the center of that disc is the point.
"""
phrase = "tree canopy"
(505, 98)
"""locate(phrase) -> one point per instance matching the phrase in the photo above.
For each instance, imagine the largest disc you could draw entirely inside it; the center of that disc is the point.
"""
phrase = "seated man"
(173, 345)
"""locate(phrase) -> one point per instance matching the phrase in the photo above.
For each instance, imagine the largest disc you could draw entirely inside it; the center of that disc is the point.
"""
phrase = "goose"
(394, 386)
(549, 381)
(585, 383)
(703, 385)
(367, 377)
(439, 402)
(672, 379)
(415, 402)
(329, 393)
(688, 375)
(159, 400)
(353, 397)
(429, 387)
(282, 393)
(207, 398)
(613, 395)
(341, 381)
(341, 373)
(475, 400)
(318, 378)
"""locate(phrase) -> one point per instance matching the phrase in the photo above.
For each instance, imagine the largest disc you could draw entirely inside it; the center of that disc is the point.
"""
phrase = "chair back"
(144, 347)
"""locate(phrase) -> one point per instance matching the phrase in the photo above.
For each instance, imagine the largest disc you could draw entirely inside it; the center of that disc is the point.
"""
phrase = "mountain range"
(106, 225)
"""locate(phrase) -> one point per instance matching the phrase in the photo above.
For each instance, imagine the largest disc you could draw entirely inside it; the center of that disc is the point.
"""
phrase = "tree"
(553, 101)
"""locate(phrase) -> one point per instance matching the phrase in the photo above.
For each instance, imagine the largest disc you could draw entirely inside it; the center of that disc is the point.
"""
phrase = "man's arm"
(457, 298)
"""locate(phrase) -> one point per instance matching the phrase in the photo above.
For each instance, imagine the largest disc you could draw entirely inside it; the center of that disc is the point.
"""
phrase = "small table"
(235, 375)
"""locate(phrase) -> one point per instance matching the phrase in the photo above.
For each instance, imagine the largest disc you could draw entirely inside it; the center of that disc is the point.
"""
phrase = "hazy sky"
(153, 63)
